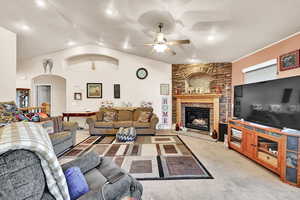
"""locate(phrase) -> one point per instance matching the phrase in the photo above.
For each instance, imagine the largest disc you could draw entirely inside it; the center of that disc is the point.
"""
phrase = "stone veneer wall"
(221, 73)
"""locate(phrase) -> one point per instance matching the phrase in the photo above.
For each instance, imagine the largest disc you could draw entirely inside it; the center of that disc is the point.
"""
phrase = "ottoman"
(126, 134)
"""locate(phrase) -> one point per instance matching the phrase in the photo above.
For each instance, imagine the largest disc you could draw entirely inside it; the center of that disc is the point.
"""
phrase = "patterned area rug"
(148, 158)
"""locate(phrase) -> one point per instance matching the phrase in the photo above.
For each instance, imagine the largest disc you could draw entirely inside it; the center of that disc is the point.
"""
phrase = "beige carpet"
(235, 178)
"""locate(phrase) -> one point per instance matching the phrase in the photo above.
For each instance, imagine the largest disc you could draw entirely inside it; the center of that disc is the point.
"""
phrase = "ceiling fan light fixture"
(160, 48)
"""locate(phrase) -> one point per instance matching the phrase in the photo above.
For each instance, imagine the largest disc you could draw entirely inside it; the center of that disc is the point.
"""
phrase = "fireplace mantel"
(209, 98)
(198, 96)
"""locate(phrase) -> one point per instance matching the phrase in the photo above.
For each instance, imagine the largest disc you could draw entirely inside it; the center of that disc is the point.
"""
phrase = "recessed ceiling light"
(40, 3)
(125, 46)
(24, 27)
(71, 43)
(110, 11)
(100, 43)
(194, 60)
(210, 38)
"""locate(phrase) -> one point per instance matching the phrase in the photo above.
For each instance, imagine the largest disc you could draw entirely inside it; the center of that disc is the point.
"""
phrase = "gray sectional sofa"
(22, 178)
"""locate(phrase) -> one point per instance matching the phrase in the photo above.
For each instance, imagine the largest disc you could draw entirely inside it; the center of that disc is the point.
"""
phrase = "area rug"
(147, 158)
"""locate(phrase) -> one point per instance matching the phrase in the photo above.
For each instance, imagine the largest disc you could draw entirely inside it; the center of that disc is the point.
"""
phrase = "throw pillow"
(77, 184)
(109, 116)
(145, 117)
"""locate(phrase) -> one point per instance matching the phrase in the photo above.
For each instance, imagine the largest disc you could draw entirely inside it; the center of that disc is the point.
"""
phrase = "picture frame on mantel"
(289, 61)
(117, 91)
(94, 90)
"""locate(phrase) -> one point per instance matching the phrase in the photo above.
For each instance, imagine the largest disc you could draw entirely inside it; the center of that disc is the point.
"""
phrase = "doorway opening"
(44, 97)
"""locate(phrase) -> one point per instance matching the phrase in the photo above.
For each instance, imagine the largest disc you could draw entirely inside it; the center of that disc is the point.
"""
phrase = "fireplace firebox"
(197, 118)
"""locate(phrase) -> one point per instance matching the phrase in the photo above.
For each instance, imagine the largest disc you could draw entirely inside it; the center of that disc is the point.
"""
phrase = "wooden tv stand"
(276, 150)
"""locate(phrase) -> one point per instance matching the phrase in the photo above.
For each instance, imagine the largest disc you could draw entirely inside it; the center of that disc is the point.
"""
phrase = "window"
(261, 72)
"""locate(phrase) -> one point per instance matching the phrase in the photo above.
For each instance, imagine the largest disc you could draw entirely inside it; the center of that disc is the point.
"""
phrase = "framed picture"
(94, 90)
(117, 91)
(164, 89)
(289, 61)
(77, 96)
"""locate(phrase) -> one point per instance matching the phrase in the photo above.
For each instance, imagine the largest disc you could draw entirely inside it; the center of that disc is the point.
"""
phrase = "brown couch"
(125, 117)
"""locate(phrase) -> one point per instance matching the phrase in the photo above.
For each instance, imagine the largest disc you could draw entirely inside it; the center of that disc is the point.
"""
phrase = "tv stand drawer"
(268, 159)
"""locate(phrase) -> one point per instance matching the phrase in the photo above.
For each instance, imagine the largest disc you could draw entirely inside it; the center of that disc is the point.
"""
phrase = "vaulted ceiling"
(219, 30)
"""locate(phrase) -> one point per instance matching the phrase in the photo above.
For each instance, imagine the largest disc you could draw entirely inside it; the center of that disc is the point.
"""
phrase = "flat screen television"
(274, 103)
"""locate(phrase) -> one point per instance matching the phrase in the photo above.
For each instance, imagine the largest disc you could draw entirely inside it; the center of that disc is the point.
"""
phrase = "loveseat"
(123, 117)
(22, 178)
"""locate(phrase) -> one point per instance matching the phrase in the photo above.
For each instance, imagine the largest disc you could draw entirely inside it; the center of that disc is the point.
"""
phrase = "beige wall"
(266, 54)
(7, 65)
(77, 75)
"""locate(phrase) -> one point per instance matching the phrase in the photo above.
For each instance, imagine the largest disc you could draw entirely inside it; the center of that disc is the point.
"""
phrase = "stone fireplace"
(197, 118)
(202, 81)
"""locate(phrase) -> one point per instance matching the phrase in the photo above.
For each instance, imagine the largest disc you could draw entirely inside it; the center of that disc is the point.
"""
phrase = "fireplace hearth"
(197, 118)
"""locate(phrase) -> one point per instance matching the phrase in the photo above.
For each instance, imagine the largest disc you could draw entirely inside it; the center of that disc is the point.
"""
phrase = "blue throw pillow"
(77, 184)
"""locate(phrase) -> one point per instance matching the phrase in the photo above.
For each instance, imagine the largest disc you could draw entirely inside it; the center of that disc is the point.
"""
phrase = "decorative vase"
(177, 128)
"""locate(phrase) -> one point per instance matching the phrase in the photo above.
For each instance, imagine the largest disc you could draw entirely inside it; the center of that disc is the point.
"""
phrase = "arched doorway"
(50, 90)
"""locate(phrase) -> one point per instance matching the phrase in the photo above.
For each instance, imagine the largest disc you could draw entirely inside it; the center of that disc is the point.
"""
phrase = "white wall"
(77, 75)
(58, 92)
(7, 65)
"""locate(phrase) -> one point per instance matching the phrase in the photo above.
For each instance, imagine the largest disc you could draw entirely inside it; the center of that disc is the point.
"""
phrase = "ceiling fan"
(161, 44)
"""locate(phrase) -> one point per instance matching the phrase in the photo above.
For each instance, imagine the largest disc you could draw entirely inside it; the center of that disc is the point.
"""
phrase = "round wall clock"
(142, 73)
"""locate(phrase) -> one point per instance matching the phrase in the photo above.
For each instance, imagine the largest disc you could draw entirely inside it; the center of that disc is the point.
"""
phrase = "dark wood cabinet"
(270, 147)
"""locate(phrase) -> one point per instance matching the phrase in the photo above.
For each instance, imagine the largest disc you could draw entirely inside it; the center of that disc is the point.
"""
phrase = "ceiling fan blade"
(171, 51)
(149, 44)
(178, 42)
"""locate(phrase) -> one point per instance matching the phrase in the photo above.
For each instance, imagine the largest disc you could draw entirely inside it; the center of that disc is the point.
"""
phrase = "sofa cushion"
(138, 124)
(60, 137)
(118, 124)
(99, 116)
(57, 124)
(21, 175)
(77, 184)
(95, 179)
(86, 162)
(144, 116)
(104, 124)
(138, 111)
(109, 116)
(125, 115)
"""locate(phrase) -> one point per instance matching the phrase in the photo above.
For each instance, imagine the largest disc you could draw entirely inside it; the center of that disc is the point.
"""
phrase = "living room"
(149, 99)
